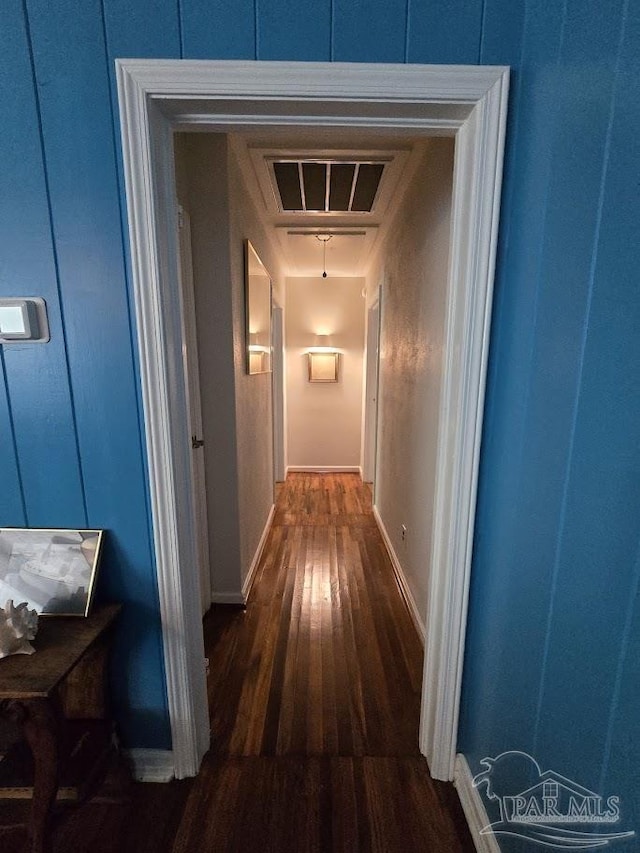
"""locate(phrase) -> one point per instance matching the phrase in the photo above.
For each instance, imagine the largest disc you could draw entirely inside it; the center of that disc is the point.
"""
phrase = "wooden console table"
(64, 680)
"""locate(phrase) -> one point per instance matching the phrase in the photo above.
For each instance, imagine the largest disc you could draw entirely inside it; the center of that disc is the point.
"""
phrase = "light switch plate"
(23, 320)
(14, 320)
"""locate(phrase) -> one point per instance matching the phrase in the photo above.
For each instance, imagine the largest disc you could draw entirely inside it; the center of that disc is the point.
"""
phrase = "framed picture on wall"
(323, 366)
(53, 570)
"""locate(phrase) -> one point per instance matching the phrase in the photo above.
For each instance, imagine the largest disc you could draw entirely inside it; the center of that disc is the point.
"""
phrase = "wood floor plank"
(314, 699)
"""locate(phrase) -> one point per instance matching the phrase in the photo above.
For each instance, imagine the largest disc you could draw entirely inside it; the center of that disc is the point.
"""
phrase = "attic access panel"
(327, 186)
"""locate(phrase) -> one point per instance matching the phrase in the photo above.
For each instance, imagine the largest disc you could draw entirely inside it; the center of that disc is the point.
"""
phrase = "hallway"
(325, 660)
(314, 694)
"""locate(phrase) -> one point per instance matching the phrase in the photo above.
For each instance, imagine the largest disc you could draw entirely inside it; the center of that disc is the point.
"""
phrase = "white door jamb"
(469, 102)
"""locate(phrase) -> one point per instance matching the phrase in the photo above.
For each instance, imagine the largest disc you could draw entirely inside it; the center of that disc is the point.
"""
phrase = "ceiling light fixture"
(324, 239)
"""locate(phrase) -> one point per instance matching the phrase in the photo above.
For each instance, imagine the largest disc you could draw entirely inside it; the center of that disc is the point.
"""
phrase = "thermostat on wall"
(23, 320)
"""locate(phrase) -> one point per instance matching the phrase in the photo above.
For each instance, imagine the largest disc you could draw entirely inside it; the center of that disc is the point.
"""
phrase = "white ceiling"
(347, 254)
(355, 237)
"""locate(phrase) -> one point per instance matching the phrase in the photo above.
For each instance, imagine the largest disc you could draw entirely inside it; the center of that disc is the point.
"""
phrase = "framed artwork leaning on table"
(53, 570)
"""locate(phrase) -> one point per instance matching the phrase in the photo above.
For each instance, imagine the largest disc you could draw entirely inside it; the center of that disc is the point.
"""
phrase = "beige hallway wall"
(324, 419)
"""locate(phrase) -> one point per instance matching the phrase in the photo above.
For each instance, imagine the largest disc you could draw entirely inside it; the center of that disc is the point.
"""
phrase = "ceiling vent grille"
(327, 186)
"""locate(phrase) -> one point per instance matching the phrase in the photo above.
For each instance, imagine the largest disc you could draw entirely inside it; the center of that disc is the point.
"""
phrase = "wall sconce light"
(254, 346)
(322, 344)
(258, 354)
(324, 360)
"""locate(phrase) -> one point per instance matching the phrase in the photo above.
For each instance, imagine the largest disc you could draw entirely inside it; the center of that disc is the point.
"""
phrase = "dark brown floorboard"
(314, 696)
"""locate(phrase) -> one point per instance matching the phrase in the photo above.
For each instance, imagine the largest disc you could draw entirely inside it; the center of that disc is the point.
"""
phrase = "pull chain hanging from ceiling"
(324, 239)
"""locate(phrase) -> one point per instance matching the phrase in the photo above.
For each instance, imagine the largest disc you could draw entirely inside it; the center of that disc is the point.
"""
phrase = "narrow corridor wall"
(236, 408)
(416, 264)
(324, 419)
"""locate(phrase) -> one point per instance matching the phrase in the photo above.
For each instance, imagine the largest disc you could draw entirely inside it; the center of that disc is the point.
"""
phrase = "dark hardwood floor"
(325, 660)
(314, 693)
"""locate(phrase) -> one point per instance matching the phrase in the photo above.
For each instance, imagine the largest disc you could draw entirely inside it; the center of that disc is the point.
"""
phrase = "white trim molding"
(401, 578)
(156, 98)
(151, 765)
(228, 598)
(241, 596)
(251, 574)
(477, 181)
(324, 469)
(473, 807)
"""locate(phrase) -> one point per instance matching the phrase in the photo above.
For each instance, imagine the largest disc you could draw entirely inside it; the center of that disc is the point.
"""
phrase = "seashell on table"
(18, 626)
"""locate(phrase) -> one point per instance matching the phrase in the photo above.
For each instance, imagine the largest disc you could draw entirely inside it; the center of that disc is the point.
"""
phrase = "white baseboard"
(228, 598)
(405, 589)
(473, 807)
(248, 581)
(151, 765)
(324, 469)
(241, 596)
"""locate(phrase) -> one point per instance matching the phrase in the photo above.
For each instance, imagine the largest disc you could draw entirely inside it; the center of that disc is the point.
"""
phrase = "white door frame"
(469, 102)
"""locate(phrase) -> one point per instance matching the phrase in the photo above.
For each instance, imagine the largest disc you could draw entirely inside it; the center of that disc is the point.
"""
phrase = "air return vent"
(327, 186)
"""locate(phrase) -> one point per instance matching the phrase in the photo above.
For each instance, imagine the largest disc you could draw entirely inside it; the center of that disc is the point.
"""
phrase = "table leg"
(41, 730)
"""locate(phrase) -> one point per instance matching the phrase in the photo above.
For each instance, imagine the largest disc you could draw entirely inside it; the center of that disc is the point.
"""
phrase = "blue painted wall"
(552, 664)
(552, 653)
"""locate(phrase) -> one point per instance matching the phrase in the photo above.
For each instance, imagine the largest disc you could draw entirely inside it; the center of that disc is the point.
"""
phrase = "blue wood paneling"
(597, 605)
(12, 508)
(123, 23)
(150, 30)
(487, 632)
(554, 640)
(621, 771)
(218, 29)
(447, 32)
(278, 19)
(501, 29)
(512, 560)
(617, 331)
(86, 225)
(583, 93)
(369, 30)
(36, 375)
(551, 663)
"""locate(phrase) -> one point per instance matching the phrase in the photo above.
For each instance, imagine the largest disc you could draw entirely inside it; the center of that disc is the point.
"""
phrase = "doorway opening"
(159, 97)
